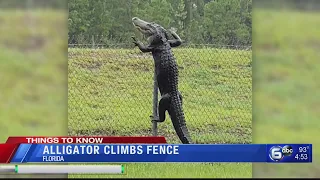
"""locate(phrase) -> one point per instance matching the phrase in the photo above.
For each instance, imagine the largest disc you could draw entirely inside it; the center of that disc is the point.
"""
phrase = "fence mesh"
(111, 92)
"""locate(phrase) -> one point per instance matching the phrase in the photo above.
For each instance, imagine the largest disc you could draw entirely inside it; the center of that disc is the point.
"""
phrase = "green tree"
(78, 20)
(225, 22)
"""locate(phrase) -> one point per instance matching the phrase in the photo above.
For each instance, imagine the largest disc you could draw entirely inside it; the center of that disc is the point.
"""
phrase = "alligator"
(166, 70)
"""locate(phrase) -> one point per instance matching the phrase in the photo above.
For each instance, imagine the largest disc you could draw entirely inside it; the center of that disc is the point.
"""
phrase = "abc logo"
(276, 153)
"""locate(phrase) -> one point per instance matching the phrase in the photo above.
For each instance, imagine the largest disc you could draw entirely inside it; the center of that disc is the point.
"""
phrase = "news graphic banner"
(144, 149)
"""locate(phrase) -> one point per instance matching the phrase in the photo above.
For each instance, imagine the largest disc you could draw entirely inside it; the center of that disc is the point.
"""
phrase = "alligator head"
(155, 33)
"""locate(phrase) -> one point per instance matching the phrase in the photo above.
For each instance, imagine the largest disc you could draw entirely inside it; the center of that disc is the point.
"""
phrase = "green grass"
(33, 75)
(286, 89)
(180, 170)
(110, 93)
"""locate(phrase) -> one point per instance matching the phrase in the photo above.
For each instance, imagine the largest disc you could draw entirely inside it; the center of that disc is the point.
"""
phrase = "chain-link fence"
(111, 92)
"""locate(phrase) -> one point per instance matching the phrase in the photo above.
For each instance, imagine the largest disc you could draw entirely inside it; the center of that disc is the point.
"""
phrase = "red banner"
(86, 140)
(7, 151)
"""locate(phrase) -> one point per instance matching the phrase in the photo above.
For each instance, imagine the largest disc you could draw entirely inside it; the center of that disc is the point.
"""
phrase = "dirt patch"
(140, 56)
(31, 124)
(190, 64)
(102, 118)
(115, 68)
(29, 20)
(29, 44)
(269, 47)
(240, 130)
(216, 67)
(90, 65)
(63, 67)
(313, 44)
(244, 66)
(276, 78)
(31, 97)
(141, 67)
(35, 42)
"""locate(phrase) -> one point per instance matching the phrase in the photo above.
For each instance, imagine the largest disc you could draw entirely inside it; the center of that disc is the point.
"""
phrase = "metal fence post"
(155, 106)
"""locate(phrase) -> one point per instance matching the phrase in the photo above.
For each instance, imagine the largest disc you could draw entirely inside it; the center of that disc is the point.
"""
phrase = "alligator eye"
(158, 36)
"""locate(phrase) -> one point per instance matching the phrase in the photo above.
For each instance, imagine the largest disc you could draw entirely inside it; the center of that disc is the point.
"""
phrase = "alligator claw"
(172, 30)
(156, 119)
(134, 40)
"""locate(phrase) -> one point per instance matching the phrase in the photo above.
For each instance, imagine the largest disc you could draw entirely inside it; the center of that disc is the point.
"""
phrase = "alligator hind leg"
(163, 107)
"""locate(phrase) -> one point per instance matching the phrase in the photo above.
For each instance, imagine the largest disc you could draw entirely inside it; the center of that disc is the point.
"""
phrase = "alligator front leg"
(176, 41)
(141, 46)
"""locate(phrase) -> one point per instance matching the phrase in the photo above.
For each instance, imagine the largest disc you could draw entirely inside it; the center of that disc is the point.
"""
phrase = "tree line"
(220, 22)
(301, 5)
(224, 22)
(25, 4)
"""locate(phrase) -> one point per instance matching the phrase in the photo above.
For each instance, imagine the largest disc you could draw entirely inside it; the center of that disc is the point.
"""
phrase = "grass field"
(286, 104)
(177, 170)
(33, 75)
(110, 93)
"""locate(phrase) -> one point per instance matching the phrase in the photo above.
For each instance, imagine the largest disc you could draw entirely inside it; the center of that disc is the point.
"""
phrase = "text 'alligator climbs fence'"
(111, 92)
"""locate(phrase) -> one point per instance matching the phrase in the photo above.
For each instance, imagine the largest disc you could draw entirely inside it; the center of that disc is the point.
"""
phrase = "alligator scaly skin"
(167, 77)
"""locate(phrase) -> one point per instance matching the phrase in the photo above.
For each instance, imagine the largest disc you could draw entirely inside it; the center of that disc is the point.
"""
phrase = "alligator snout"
(143, 26)
(139, 22)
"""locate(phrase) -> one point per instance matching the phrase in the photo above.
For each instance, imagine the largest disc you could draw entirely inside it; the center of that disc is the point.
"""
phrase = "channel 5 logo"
(277, 153)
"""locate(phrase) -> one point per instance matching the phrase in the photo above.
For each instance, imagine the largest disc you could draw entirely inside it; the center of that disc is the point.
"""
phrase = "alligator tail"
(175, 111)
